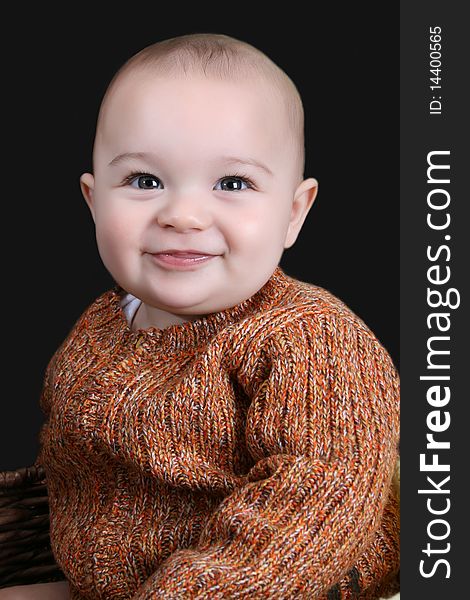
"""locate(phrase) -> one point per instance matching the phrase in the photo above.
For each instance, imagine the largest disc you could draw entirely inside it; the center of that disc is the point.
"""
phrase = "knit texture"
(247, 454)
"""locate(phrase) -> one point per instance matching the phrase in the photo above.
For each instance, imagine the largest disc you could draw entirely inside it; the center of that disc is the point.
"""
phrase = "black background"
(57, 70)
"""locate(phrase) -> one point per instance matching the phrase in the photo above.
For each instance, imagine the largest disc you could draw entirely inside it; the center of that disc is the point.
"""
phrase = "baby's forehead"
(143, 81)
(141, 94)
(265, 101)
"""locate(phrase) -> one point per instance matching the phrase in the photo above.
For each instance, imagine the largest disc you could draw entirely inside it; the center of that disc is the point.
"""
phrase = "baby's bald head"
(199, 145)
(221, 57)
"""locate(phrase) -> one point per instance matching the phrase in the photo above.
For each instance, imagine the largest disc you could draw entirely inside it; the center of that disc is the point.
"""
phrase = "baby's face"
(193, 165)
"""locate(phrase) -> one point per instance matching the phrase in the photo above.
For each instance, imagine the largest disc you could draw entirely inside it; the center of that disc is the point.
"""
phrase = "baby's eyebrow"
(228, 160)
(129, 156)
(234, 160)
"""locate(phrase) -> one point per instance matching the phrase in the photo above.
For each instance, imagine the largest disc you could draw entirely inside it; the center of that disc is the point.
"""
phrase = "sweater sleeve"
(322, 429)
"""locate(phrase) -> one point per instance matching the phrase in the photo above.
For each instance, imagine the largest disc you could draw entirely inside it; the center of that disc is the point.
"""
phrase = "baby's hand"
(58, 590)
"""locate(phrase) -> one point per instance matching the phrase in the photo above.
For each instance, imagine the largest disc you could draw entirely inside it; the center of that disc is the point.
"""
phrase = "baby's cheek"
(247, 230)
(114, 242)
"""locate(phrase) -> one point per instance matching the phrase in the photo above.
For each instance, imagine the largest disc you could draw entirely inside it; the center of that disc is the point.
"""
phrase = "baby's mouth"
(184, 254)
(182, 259)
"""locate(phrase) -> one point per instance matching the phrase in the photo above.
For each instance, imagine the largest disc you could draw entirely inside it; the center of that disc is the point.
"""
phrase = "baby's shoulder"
(307, 314)
(94, 317)
(310, 306)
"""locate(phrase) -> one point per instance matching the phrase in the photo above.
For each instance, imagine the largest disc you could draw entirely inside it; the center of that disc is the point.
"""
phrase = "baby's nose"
(184, 214)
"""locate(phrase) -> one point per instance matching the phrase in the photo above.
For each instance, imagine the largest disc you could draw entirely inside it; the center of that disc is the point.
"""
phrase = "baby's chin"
(193, 294)
(190, 311)
(200, 306)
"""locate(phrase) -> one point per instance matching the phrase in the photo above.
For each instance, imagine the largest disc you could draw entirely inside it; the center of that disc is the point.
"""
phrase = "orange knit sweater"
(246, 454)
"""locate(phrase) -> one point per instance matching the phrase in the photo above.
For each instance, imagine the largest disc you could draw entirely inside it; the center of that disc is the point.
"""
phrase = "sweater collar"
(108, 317)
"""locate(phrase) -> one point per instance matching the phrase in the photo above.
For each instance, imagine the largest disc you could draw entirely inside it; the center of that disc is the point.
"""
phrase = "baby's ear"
(87, 185)
(303, 199)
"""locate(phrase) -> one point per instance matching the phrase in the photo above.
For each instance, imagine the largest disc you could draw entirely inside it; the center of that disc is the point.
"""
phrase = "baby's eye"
(235, 183)
(144, 181)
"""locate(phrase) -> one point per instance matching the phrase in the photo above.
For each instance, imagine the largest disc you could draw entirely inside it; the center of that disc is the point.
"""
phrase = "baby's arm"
(316, 516)
(58, 590)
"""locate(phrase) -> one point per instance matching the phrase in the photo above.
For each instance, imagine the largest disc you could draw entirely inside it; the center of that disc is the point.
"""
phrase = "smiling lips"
(182, 258)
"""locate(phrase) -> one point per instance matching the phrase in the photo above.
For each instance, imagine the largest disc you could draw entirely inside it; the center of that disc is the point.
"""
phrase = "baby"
(215, 428)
